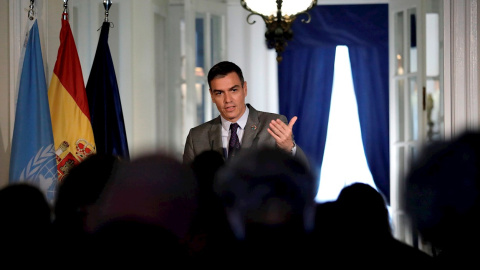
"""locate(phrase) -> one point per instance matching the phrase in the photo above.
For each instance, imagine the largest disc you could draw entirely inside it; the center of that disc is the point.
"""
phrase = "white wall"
(4, 92)
(246, 47)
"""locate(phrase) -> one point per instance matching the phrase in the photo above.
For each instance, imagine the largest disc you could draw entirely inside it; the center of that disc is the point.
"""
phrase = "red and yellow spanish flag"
(72, 129)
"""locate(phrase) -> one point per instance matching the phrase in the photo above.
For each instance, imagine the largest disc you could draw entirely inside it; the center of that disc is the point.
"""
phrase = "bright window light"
(344, 161)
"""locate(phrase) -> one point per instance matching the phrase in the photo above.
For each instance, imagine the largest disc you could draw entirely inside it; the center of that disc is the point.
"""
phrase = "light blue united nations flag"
(32, 158)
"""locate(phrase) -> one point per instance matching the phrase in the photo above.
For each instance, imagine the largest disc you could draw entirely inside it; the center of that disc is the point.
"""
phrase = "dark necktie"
(234, 143)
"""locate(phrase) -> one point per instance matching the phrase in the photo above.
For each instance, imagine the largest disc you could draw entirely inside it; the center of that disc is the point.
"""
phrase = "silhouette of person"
(76, 194)
(269, 197)
(365, 233)
(327, 233)
(144, 213)
(25, 227)
(81, 188)
(210, 233)
(256, 129)
(442, 199)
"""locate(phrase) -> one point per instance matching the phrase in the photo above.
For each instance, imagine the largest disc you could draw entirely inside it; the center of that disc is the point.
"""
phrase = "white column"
(461, 66)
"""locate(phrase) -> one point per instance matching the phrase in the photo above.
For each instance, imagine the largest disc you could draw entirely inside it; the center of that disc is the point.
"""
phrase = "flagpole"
(65, 10)
(31, 12)
(107, 4)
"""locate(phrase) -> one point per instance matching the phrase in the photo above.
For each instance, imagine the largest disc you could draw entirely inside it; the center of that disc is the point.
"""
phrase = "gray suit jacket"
(208, 136)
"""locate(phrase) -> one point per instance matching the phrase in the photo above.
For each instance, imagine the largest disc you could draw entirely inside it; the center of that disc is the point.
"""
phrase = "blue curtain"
(306, 80)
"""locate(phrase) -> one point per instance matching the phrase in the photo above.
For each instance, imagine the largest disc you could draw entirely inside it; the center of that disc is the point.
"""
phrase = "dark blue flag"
(104, 102)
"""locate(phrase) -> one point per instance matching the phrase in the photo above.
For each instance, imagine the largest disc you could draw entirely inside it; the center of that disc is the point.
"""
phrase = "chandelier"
(278, 16)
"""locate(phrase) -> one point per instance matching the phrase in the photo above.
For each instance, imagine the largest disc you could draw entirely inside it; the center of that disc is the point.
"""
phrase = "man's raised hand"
(282, 133)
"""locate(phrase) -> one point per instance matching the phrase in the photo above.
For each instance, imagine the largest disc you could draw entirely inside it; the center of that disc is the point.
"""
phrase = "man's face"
(229, 96)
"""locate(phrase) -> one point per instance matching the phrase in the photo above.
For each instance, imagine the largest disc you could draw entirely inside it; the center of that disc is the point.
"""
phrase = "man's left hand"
(282, 133)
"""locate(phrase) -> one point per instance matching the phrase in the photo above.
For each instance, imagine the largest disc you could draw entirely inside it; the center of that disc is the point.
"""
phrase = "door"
(416, 99)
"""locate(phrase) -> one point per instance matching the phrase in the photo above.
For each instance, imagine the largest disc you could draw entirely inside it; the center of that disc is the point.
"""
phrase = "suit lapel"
(251, 129)
(215, 136)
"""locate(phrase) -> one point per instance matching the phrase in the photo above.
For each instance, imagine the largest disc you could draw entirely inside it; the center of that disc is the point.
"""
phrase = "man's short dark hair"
(221, 70)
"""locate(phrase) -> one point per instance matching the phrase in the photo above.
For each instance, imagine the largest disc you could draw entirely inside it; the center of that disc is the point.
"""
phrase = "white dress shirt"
(242, 122)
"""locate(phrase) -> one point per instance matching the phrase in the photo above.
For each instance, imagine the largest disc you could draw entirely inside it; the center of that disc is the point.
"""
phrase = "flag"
(33, 157)
(104, 102)
(72, 129)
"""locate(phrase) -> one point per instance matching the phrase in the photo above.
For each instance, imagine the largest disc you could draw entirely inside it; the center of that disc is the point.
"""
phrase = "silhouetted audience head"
(24, 210)
(269, 197)
(267, 187)
(25, 225)
(366, 209)
(354, 232)
(442, 198)
(154, 193)
(80, 189)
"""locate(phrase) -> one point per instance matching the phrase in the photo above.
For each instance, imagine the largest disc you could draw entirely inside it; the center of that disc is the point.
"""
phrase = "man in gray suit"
(257, 129)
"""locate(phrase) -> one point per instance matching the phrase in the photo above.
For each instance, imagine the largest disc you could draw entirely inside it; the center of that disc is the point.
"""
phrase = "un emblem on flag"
(41, 171)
